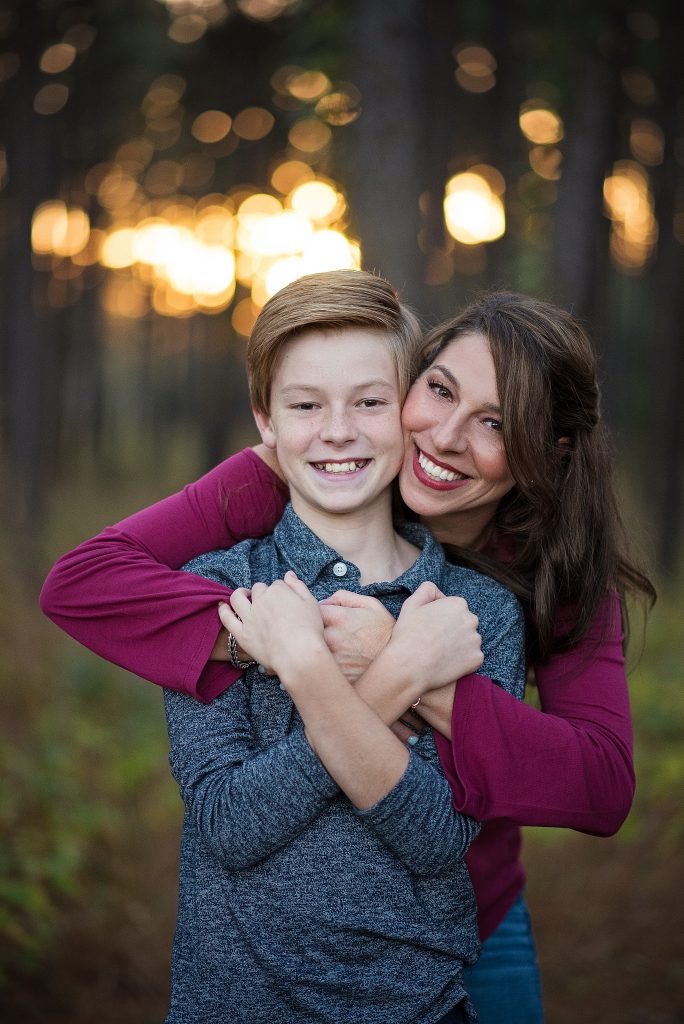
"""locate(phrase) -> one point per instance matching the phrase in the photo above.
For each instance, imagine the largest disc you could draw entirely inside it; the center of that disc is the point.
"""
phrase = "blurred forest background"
(165, 165)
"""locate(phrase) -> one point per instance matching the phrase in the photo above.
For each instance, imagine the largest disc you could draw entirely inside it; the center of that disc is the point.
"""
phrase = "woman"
(507, 462)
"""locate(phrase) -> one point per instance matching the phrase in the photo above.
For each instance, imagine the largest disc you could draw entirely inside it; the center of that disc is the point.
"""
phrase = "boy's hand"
(356, 630)
(279, 625)
(437, 637)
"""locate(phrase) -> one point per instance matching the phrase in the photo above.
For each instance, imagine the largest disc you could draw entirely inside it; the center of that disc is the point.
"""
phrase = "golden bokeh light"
(71, 233)
(317, 200)
(176, 256)
(341, 106)
(629, 204)
(546, 162)
(51, 98)
(187, 28)
(647, 142)
(307, 85)
(639, 86)
(288, 175)
(253, 123)
(244, 317)
(57, 58)
(540, 124)
(265, 10)
(211, 126)
(309, 135)
(117, 249)
(48, 220)
(476, 67)
(472, 211)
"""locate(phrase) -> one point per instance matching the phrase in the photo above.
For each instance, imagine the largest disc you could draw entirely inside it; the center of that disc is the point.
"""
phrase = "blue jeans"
(504, 984)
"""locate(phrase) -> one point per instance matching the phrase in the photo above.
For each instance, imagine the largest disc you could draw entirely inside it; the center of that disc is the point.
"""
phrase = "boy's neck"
(366, 537)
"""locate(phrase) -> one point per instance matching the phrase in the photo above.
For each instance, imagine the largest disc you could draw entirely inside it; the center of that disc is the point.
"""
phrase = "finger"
(426, 593)
(331, 614)
(240, 601)
(407, 736)
(413, 720)
(258, 589)
(228, 618)
(347, 600)
(294, 583)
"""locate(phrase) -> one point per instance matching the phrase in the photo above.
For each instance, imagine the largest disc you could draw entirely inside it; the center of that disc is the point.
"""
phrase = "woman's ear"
(265, 427)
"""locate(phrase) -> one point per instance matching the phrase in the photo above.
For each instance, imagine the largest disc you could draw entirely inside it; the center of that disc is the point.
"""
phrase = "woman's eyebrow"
(446, 372)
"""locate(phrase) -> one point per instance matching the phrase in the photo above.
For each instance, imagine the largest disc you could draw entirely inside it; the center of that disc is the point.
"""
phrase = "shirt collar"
(301, 550)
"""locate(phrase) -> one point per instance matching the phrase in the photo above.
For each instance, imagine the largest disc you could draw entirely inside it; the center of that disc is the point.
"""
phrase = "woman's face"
(455, 471)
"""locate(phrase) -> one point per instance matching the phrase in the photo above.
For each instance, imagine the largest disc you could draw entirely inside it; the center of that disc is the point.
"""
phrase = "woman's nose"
(450, 434)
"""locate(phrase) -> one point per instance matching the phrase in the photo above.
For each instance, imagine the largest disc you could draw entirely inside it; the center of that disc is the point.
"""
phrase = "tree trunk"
(385, 175)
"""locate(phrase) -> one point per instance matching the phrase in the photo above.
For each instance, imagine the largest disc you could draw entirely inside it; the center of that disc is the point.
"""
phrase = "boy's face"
(334, 421)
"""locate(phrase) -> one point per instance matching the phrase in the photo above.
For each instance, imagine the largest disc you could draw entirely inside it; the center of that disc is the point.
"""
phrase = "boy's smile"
(334, 422)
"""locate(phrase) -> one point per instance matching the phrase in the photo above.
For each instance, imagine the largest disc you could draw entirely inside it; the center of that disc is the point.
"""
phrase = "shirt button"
(340, 569)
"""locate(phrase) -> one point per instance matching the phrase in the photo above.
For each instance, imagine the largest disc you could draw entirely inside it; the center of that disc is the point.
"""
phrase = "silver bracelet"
(233, 656)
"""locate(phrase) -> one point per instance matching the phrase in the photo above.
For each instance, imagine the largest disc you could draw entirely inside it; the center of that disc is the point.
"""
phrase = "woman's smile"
(434, 473)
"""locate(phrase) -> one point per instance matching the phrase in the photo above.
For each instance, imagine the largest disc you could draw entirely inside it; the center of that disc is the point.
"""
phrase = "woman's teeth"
(437, 472)
(341, 467)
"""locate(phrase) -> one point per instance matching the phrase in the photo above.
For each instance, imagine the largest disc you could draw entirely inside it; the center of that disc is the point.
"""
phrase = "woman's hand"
(278, 625)
(436, 637)
(356, 630)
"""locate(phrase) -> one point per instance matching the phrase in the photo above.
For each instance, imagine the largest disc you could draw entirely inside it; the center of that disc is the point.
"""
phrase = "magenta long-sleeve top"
(567, 764)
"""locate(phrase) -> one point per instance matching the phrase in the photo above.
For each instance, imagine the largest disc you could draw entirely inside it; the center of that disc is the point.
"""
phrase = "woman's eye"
(371, 403)
(439, 389)
(494, 424)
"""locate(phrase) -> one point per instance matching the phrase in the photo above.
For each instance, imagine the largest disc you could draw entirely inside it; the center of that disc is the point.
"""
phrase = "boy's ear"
(265, 427)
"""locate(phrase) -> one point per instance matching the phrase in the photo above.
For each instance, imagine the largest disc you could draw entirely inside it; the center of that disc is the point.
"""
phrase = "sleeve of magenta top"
(567, 765)
(119, 595)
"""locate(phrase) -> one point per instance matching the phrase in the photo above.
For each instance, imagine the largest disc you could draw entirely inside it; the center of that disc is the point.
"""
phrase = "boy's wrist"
(298, 664)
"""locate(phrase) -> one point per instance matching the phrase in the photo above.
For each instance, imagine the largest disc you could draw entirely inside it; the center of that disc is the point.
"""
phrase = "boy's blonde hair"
(330, 301)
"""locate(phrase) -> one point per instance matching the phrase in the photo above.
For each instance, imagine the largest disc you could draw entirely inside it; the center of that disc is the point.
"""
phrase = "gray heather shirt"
(294, 905)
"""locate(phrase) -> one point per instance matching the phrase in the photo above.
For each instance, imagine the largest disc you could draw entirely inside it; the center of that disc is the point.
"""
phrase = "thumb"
(425, 594)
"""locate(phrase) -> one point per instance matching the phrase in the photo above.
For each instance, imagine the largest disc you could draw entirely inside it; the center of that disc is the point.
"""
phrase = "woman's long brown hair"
(561, 520)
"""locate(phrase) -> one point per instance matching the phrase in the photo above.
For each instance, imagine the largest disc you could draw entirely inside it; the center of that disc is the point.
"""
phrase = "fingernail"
(412, 740)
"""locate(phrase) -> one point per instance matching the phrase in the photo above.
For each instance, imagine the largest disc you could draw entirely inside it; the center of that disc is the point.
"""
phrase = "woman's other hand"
(437, 637)
(356, 630)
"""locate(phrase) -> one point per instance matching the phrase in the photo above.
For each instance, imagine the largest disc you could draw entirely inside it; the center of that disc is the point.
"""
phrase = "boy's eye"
(304, 406)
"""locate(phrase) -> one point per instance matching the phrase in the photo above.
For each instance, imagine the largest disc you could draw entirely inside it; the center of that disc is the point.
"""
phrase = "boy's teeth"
(341, 467)
(437, 472)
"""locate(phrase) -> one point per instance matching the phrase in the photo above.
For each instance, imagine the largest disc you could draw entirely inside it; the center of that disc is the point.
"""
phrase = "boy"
(322, 874)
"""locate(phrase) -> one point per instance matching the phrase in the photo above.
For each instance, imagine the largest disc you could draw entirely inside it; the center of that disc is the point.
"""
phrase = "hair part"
(335, 300)
(561, 520)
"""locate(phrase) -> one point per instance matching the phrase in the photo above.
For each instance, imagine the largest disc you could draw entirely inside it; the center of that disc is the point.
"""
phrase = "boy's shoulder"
(485, 596)
(245, 563)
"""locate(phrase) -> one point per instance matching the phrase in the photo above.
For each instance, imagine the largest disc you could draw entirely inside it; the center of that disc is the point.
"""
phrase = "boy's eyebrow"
(446, 372)
(362, 386)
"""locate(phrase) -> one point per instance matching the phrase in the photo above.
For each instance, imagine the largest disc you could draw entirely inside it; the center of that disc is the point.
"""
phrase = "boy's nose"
(339, 428)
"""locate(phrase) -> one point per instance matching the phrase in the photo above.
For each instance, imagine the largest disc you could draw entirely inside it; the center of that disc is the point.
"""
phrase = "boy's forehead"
(349, 351)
